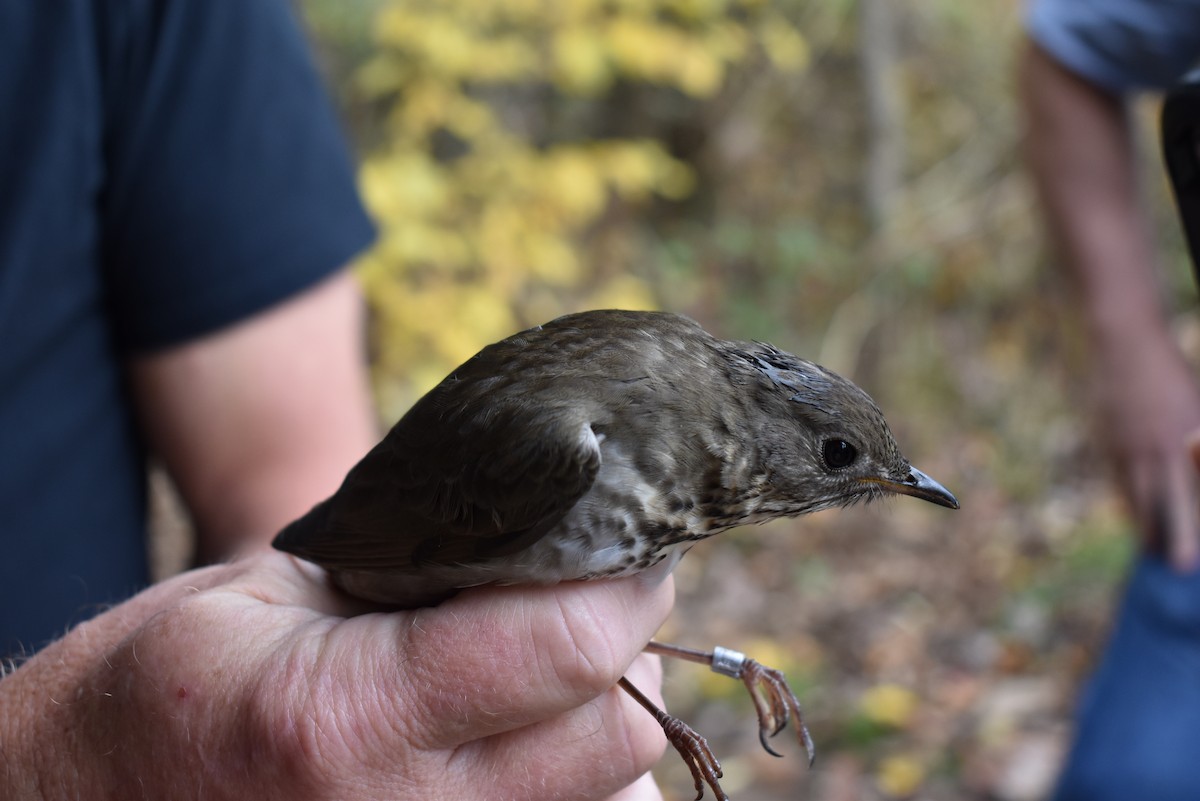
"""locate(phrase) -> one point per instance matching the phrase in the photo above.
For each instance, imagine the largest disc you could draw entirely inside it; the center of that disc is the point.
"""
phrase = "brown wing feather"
(475, 470)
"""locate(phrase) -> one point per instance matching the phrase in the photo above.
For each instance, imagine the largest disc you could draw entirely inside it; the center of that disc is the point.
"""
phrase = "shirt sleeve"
(1121, 45)
(228, 186)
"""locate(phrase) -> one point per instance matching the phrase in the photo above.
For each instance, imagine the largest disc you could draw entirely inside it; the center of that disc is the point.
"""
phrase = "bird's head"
(825, 443)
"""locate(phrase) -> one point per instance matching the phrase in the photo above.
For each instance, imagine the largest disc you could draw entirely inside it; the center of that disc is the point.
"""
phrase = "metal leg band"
(728, 662)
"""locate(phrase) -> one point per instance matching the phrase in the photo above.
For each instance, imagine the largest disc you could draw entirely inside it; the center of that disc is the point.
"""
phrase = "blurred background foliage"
(842, 178)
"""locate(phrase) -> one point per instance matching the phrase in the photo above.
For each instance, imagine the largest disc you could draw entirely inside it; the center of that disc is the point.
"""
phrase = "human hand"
(1150, 410)
(250, 680)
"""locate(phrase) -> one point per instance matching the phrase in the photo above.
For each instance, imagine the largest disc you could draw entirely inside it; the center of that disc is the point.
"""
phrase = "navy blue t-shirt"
(167, 167)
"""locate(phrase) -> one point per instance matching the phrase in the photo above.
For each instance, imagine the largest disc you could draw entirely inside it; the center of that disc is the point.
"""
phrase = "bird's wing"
(468, 474)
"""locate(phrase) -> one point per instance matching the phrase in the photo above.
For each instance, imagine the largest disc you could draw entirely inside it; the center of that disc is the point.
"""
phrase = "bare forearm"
(259, 422)
(1080, 151)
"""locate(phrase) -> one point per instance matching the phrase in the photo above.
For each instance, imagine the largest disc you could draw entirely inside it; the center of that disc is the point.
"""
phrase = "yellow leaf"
(399, 187)
(624, 291)
(700, 73)
(577, 10)
(580, 62)
(447, 47)
(490, 318)
(889, 705)
(899, 776)
(503, 59)
(426, 105)
(575, 184)
(726, 40)
(641, 48)
(469, 118)
(633, 166)
(785, 46)
(395, 25)
(382, 75)
(638, 168)
(498, 231)
(551, 258)
(676, 181)
(516, 12)
(698, 10)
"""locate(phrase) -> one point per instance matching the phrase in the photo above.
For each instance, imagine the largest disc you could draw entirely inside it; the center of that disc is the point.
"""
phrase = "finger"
(1184, 534)
(644, 789)
(497, 659)
(1181, 534)
(1147, 497)
(589, 752)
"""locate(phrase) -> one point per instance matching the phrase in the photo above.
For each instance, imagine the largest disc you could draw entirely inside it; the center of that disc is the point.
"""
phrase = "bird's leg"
(773, 699)
(691, 746)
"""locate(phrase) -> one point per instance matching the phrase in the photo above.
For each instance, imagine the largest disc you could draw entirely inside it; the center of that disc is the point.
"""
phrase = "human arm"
(229, 201)
(1080, 150)
(247, 680)
(259, 421)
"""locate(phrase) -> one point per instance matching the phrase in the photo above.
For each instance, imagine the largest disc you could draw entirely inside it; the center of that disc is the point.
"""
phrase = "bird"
(601, 444)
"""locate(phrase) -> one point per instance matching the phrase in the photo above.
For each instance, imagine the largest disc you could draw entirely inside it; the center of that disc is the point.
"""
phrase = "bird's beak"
(918, 485)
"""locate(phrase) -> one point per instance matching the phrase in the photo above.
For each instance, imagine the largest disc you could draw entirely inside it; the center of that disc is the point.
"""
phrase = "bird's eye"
(838, 453)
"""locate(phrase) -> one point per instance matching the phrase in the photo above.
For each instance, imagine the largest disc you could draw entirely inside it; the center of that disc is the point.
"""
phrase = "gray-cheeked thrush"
(601, 444)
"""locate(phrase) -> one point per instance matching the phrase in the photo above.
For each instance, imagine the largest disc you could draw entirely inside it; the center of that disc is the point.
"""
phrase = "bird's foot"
(694, 749)
(774, 700)
(696, 755)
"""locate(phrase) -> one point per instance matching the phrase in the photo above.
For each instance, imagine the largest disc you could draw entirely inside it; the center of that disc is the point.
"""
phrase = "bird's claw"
(696, 754)
(775, 704)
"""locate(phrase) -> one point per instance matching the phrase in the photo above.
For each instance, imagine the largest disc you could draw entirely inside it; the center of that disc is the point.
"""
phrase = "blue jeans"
(1138, 725)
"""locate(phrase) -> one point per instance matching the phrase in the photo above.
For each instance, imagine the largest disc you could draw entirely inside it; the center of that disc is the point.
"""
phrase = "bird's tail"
(301, 534)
